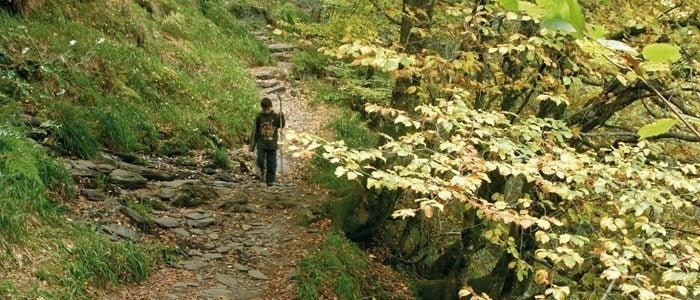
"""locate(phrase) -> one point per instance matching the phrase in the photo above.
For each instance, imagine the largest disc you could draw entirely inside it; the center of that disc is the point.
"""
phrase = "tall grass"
(339, 267)
(165, 77)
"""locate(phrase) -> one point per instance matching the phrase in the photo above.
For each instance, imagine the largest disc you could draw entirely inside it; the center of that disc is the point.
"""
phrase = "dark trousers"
(267, 162)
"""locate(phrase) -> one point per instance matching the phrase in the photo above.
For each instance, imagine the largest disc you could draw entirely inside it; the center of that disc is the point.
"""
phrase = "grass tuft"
(339, 269)
(220, 158)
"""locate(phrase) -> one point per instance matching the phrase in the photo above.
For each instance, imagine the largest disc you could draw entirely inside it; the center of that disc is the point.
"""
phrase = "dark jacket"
(265, 132)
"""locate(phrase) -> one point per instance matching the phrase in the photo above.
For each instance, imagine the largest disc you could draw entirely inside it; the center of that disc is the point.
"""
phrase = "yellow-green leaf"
(662, 53)
(658, 127)
(511, 5)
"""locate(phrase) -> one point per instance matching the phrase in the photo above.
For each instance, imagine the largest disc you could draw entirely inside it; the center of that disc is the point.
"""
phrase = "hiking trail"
(239, 238)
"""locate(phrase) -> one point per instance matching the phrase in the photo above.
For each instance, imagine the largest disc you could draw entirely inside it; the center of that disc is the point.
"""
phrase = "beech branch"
(631, 136)
(383, 12)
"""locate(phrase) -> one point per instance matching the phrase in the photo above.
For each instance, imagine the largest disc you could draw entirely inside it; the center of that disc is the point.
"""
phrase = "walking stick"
(280, 135)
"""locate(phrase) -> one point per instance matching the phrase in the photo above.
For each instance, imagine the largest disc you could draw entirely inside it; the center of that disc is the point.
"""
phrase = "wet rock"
(194, 264)
(127, 179)
(93, 194)
(168, 222)
(227, 280)
(200, 223)
(257, 275)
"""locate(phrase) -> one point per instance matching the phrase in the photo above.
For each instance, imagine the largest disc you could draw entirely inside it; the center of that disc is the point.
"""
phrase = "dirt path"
(243, 243)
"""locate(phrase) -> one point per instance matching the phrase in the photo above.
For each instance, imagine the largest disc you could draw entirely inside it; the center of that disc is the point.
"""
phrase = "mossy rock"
(193, 195)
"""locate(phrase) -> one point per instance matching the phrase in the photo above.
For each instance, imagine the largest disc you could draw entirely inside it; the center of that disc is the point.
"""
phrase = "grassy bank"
(159, 76)
(149, 76)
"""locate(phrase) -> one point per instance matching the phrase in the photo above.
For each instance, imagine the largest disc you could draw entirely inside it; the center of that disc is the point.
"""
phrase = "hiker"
(264, 136)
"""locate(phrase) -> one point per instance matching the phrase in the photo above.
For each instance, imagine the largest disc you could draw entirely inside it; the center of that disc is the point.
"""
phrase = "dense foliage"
(555, 136)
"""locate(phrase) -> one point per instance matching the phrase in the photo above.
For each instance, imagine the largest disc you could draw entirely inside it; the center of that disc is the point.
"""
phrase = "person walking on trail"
(264, 138)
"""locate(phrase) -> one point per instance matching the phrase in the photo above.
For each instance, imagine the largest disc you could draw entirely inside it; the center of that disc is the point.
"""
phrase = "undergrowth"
(339, 269)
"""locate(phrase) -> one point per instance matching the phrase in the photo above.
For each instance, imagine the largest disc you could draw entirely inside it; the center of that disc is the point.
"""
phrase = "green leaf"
(563, 15)
(511, 5)
(660, 126)
(391, 64)
(559, 25)
(662, 53)
(596, 31)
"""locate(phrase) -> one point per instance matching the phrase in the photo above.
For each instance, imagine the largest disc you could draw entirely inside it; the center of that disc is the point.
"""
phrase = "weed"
(74, 136)
(308, 63)
(94, 261)
(219, 158)
(338, 266)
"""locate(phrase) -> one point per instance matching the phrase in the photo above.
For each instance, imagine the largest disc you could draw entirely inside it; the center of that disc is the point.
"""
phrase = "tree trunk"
(417, 14)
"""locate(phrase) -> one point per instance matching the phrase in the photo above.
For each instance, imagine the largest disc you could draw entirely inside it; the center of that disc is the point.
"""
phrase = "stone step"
(274, 48)
(275, 90)
(269, 83)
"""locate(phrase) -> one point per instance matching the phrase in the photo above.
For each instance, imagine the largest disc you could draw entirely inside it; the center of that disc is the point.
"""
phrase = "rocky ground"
(240, 239)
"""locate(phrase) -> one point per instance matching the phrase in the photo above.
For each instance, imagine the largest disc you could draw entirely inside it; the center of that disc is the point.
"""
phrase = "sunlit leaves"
(658, 127)
(661, 53)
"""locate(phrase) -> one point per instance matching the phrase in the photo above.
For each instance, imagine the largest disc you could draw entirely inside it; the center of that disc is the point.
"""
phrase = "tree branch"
(631, 136)
(383, 12)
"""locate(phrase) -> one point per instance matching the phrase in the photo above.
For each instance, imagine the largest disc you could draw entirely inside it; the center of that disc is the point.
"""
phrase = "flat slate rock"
(127, 179)
(215, 294)
(122, 231)
(198, 215)
(264, 74)
(227, 280)
(159, 175)
(213, 256)
(240, 267)
(200, 223)
(194, 264)
(280, 47)
(257, 275)
(168, 222)
(181, 232)
(94, 195)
